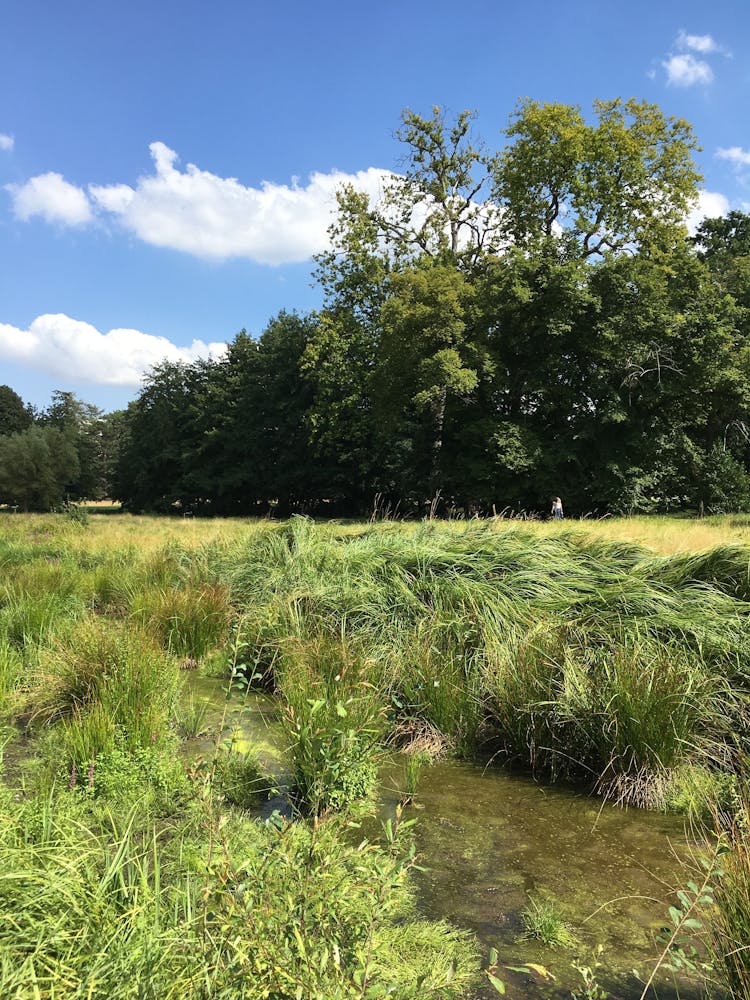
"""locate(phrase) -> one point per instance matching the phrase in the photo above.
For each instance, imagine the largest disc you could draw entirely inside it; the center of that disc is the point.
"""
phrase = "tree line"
(498, 327)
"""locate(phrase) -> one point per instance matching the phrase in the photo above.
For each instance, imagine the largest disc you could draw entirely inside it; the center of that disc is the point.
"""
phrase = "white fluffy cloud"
(51, 197)
(737, 156)
(684, 70)
(59, 345)
(683, 67)
(698, 43)
(710, 205)
(218, 217)
(7, 142)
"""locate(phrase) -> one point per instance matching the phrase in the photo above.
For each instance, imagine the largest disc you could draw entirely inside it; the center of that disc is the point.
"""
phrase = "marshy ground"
(548, 675)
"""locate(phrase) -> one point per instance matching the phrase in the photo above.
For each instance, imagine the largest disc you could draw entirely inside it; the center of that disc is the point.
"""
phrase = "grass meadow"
(610, 654)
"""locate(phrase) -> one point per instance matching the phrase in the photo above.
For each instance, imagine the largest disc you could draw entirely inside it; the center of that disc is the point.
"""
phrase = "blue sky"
(167, 169)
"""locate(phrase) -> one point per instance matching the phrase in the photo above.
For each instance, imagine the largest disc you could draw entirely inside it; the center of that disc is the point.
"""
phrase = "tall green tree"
(36, 468)
(391, 351)
(14, 416)
(426, 360)
(625, 181)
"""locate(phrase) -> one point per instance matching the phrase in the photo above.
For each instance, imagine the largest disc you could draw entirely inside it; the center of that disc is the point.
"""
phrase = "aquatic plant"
(414, 763)
(241, 778)
(542, 921)
(190, 715)
(334, 721)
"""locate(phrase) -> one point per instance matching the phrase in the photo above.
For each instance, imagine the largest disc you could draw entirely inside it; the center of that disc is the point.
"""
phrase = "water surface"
(491, 839)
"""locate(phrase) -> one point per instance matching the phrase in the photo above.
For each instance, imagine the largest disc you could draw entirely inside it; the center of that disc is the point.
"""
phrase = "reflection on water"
(491, 838)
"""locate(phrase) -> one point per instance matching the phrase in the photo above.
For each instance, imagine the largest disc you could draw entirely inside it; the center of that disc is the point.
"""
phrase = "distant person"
(557, 509)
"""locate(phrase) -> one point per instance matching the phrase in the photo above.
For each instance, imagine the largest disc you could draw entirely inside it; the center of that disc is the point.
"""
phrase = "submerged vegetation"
(129, 864)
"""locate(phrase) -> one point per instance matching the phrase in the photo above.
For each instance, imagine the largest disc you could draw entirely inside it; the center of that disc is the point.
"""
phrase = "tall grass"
(578, 653)
(212, 908)
(581, 657)
(188, 621)
(730, 923)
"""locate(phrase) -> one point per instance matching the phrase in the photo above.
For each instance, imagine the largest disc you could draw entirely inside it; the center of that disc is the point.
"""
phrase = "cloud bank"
(200, 213)
(59, 345)
(7, 142)
(218, 217)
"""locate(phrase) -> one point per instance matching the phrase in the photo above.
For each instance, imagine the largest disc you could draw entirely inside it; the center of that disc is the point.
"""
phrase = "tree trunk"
(438, 420)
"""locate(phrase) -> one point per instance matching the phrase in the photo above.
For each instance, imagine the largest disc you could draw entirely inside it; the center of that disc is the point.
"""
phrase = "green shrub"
(129, 774)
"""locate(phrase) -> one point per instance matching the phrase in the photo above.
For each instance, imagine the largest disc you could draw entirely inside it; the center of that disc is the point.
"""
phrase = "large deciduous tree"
(497, 327)
(625, 181)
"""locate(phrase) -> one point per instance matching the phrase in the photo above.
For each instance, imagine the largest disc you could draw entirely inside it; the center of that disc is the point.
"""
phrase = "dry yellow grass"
(662, 534)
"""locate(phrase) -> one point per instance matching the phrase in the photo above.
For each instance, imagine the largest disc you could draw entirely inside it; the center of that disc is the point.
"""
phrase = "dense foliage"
(66, 452)
(498, 328)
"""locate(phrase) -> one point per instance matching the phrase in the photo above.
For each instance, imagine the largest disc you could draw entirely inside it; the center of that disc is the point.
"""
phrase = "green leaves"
(629, 180)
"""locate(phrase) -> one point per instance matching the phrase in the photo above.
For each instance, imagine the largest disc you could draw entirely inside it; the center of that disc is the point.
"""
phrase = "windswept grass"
(582, 658)
(609, 653)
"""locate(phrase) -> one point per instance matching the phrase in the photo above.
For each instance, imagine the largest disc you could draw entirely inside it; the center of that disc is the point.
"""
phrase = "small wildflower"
(91, 775)
(73, 776)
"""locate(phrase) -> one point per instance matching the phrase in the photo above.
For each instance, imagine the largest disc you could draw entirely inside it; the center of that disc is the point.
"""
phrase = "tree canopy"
(499, 326)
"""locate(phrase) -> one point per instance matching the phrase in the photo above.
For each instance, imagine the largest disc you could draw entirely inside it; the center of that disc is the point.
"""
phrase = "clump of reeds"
(241, 778)
(414, 764)
(189, 620)
(190, 716)
(107, 692)
(543, 922)
(584, 658)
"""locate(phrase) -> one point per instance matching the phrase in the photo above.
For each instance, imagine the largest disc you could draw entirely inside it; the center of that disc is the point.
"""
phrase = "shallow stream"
(490, 839)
